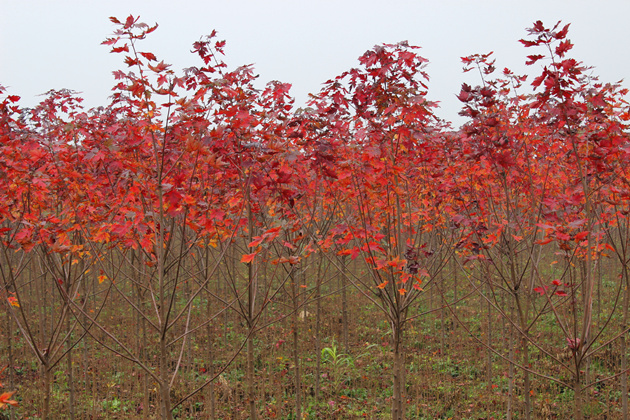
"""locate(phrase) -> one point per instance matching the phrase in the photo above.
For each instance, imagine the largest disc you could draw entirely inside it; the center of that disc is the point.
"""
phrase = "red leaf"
(124, 48)
(110, 41)
(545, 226)
(573, 344)
(159, 67)
(538, 81)
(131, 61)
(598, 100)
(563, 48)
(533, 59)
(129, 22)
(257, 241)
(580, 236)
(528, 43)
(561, 293)
(330, 173)
(216, 214)
(562, 33)
(355, 253)
(538, 26)
(464, 96)
(539, 290)
(563, 236)
(149, 56)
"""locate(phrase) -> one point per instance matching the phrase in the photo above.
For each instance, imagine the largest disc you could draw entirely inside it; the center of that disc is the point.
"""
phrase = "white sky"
(56, 44)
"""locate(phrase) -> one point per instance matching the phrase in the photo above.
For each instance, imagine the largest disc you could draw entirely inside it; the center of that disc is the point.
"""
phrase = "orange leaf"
(382, 285)
(248, 258)
(380, 263)
(4, 399)
(101, 279)
(404, 277)
(396, 263)
(189, 199)
(402, 291)
(256, 242)
(580, 236)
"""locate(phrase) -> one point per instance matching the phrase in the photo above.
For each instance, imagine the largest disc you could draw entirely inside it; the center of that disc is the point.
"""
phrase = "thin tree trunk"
(251, 388)
(510, 368)
(296, 353)
(489, 343)
(442, 315)
(398, 385)
(251, 290)
(577, 389)
(318, 314)
(229, 272)
(143, 353)
(43, 316)
(9, 323)
(587, 317)
(165, 389)
(144, 356)
(344, 305)
(525, 360)
(527, 382)
(210, 361)
(46, 407)
(624, 356)
(70, 369)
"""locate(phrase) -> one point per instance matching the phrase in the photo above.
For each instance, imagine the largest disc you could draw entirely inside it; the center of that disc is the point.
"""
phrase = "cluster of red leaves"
(366, 170)
(539, 167)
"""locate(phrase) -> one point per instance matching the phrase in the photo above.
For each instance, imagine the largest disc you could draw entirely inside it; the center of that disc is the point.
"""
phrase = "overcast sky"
(56, 44)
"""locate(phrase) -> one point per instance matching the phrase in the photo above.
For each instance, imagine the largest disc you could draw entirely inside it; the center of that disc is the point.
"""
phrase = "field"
(449, 371)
